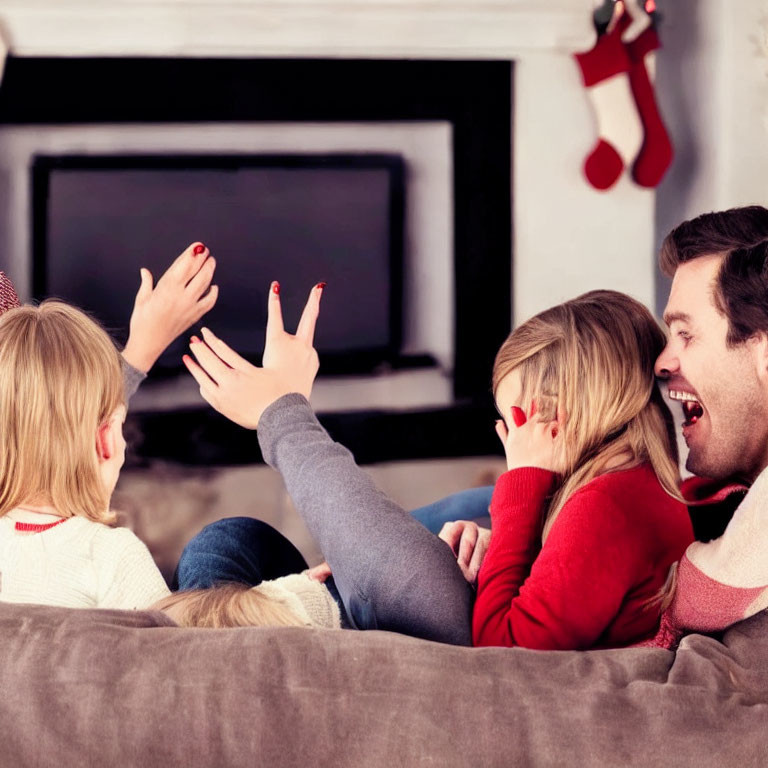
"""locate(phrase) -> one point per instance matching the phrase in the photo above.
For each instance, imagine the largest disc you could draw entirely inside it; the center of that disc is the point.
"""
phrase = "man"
(716, 360)
(715, 364)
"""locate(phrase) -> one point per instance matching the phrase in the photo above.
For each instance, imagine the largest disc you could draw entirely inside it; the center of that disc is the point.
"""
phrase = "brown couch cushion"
(127, 689)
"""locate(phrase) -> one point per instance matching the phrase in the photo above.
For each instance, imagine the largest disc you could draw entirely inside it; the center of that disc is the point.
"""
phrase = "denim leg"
(236, 549)
(464, 505)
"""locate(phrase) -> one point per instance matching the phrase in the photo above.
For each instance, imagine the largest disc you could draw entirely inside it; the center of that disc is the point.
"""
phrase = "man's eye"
(685, 336)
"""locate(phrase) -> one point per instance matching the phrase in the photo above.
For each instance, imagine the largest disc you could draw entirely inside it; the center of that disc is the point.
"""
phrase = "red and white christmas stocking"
(656, 152)
(604, 70)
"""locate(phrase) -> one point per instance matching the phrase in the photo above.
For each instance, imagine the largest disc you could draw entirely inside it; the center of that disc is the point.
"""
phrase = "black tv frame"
(334, 363)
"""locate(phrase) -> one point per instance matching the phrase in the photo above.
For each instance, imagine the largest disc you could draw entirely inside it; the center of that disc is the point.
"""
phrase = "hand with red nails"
(180, 298)
(530, 442)
(241, 391)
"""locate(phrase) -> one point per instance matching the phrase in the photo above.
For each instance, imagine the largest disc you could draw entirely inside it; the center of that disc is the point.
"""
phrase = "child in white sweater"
(62, 407)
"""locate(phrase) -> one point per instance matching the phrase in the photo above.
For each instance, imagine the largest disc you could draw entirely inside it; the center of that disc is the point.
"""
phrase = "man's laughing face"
(723, 390)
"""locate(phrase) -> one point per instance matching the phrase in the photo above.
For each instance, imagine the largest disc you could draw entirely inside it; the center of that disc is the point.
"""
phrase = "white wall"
(712, 85)
(568, 237)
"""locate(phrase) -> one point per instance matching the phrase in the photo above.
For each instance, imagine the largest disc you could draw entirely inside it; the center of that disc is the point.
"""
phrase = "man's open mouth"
(692, 408)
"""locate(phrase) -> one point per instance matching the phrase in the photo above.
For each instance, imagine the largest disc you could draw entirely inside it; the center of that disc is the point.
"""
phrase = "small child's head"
(227, 605)
(589, 363)
(62, 404)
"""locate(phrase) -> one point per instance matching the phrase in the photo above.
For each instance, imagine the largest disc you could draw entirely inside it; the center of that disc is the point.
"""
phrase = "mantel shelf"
(452, 29)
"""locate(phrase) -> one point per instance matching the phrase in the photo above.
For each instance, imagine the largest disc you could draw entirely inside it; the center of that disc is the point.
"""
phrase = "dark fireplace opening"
(475, 97)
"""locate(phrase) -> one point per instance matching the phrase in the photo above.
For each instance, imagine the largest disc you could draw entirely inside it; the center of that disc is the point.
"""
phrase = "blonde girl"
(62, 407)
(586, 521)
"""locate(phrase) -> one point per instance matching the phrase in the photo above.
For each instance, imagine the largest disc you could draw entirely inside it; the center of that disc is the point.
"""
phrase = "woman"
(587, 521)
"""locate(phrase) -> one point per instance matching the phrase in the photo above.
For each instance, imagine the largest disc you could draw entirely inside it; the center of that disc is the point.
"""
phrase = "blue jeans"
(236, 549)
(250, 551)
(244, 550)
(464, 505)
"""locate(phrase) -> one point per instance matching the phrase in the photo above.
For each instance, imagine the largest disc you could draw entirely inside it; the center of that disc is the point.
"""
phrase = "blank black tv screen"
(297, 219)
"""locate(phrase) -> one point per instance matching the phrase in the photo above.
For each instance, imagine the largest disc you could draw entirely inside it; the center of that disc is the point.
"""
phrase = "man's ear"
(759, 344)
(105, 447)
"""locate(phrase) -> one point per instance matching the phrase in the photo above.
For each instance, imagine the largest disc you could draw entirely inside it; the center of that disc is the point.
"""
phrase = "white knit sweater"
(77, 564)
(309, 600)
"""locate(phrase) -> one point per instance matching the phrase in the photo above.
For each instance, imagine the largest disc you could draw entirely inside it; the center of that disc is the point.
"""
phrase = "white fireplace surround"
(464, 29)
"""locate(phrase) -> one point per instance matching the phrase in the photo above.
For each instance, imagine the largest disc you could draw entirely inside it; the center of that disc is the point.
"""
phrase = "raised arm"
(390, 571)
(241, 391)
(162, 313)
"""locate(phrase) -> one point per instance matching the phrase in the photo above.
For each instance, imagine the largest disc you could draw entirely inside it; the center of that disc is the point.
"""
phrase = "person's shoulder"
(624, 483)
(80, 527)
(114, 538)
(626, 492)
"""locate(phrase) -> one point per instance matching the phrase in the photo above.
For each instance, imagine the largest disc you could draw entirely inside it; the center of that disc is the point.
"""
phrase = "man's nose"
(666, 364)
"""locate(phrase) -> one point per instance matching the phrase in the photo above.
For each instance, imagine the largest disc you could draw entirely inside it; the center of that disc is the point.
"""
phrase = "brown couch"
(114, 688)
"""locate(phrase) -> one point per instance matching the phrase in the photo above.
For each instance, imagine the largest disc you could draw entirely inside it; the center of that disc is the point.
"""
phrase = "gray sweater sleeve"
(391, 572)
(132, 378)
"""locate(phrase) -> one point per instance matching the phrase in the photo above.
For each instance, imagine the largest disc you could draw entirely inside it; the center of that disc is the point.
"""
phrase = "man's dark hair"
(740, 235)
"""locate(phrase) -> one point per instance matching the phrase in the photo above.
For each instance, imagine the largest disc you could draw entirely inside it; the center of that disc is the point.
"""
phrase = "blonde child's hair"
(591, 360)
(60, 379)
(227, 605)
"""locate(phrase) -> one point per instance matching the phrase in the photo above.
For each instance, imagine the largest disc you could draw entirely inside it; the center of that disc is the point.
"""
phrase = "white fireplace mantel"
(451, 29)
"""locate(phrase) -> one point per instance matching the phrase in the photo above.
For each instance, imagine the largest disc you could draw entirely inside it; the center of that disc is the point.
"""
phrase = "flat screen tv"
(298, 219)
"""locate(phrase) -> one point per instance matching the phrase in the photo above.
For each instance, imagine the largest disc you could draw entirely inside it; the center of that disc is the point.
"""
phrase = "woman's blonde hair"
(227, 605)
(591, 360)
(60, 379)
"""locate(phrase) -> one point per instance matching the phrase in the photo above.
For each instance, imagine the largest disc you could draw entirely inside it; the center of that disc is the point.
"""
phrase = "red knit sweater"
(607, 554)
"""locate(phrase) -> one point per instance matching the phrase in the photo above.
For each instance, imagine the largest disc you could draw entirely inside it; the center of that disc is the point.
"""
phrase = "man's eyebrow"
(671, 317)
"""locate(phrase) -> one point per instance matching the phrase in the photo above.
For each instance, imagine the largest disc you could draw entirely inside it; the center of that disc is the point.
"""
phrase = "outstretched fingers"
(209, 361)
(308, 321)
(207, 302)
(188, 263)
(146, 286)
(200, 281)
(206, 384)
(274, 312)
(223, 351)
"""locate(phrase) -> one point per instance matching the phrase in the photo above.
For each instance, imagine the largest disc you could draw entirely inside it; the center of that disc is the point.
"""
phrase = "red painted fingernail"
(195, 340)
(554, 431)
(198, 249)
(276, 287)
(321, 286)
(518, 416)
(533, 408)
